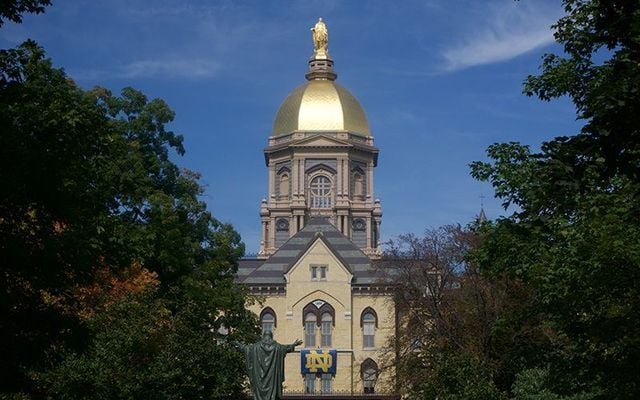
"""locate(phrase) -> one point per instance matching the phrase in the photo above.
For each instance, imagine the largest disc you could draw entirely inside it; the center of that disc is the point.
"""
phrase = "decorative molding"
(318, 311)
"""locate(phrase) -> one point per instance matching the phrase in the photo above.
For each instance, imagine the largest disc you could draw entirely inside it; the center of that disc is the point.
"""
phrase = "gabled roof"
(272, 270)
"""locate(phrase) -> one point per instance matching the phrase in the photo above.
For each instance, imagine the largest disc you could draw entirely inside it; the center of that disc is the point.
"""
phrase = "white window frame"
(268, 323)
(310, 324)
(326, 330)
(320, 194)
(368, 331)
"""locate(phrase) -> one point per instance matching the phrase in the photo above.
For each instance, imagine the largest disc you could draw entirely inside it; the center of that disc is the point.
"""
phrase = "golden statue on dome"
(320, 39)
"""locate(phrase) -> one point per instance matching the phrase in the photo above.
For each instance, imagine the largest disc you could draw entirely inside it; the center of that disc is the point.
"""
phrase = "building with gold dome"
(317, 268)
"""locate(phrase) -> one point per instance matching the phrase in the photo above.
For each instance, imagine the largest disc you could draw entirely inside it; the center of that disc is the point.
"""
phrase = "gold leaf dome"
(320, 105)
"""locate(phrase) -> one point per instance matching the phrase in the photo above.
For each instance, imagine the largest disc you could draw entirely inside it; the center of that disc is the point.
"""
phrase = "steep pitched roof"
(272, 271)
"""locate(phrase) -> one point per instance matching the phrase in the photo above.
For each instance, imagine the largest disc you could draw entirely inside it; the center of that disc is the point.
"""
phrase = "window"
(320, 192)
(369, 375)
(320, 316)
(325, 386)
(357, 185)
(325, 330)
(284, 185)
(268, 320)
(310, 383)
(310, 322)
(325, 383)
(318, 272)
(368, 322)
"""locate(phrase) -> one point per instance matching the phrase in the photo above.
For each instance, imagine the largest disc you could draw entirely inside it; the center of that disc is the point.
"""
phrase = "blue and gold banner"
(318, 361)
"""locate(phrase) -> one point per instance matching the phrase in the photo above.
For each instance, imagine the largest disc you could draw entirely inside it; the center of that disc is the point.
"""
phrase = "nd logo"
(319, 361)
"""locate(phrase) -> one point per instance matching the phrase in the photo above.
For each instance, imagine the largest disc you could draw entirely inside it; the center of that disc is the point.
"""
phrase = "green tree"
(450, 341)
(87, 185)
(140, 348)
(531, 384)
(573, 237)
(12, 10)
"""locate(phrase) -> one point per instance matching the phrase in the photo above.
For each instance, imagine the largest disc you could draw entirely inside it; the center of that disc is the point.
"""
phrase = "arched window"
(358, 187)
(320, 189)
(268, 320)
(284, 185)
(369, 375)
(369, 323)
(325, 330)
(310, 323)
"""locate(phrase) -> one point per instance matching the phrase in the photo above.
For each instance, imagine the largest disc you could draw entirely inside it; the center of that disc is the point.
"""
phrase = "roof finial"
(320, 40)
(320, 64)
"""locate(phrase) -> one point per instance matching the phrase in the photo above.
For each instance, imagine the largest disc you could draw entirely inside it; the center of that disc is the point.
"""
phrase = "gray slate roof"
(255, 272)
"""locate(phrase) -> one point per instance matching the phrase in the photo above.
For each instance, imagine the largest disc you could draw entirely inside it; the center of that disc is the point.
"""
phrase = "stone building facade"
(317, 269)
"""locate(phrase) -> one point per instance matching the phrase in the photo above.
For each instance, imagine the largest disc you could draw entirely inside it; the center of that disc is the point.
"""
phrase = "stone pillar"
(370, 180)
(294, 178)
(272, 185)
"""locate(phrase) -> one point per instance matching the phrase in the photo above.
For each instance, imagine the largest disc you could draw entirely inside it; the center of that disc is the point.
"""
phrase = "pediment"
(321, 141)
(319, 253)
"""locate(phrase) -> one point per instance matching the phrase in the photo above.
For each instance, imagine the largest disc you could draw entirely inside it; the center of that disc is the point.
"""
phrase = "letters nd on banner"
(318, 361)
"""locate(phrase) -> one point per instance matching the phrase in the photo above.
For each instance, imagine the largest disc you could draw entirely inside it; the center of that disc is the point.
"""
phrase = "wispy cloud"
(172, 40)
(183, 68)
(173, 68)
(509, 30)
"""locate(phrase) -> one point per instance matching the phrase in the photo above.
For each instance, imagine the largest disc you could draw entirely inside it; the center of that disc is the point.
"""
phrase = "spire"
(482, 217)
(320, 64)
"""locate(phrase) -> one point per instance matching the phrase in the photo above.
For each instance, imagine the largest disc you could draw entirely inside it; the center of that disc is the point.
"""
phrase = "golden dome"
(320, 105)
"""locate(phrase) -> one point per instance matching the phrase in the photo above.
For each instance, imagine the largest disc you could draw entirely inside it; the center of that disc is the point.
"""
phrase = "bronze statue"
(265, 366)
(320, 39)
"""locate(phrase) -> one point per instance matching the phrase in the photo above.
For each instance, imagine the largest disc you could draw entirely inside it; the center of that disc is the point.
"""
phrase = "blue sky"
(439, 80)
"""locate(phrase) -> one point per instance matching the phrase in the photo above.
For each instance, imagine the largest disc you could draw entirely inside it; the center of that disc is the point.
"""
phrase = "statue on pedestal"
(265, 366)
(320, 39)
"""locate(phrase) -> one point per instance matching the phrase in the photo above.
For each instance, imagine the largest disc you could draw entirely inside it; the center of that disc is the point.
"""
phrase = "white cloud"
(169, 68)
(183, 68)
(510, 29)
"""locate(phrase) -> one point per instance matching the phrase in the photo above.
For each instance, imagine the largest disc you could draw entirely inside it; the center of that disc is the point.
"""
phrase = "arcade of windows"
(318, 323)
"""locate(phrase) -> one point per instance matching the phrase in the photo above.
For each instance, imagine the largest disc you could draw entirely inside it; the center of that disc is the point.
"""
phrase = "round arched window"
(320, 192)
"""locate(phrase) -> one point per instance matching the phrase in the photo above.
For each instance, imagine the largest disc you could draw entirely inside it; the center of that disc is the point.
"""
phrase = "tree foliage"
(12, 10)
(573, 239)
(93, 212)
(449, 340)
